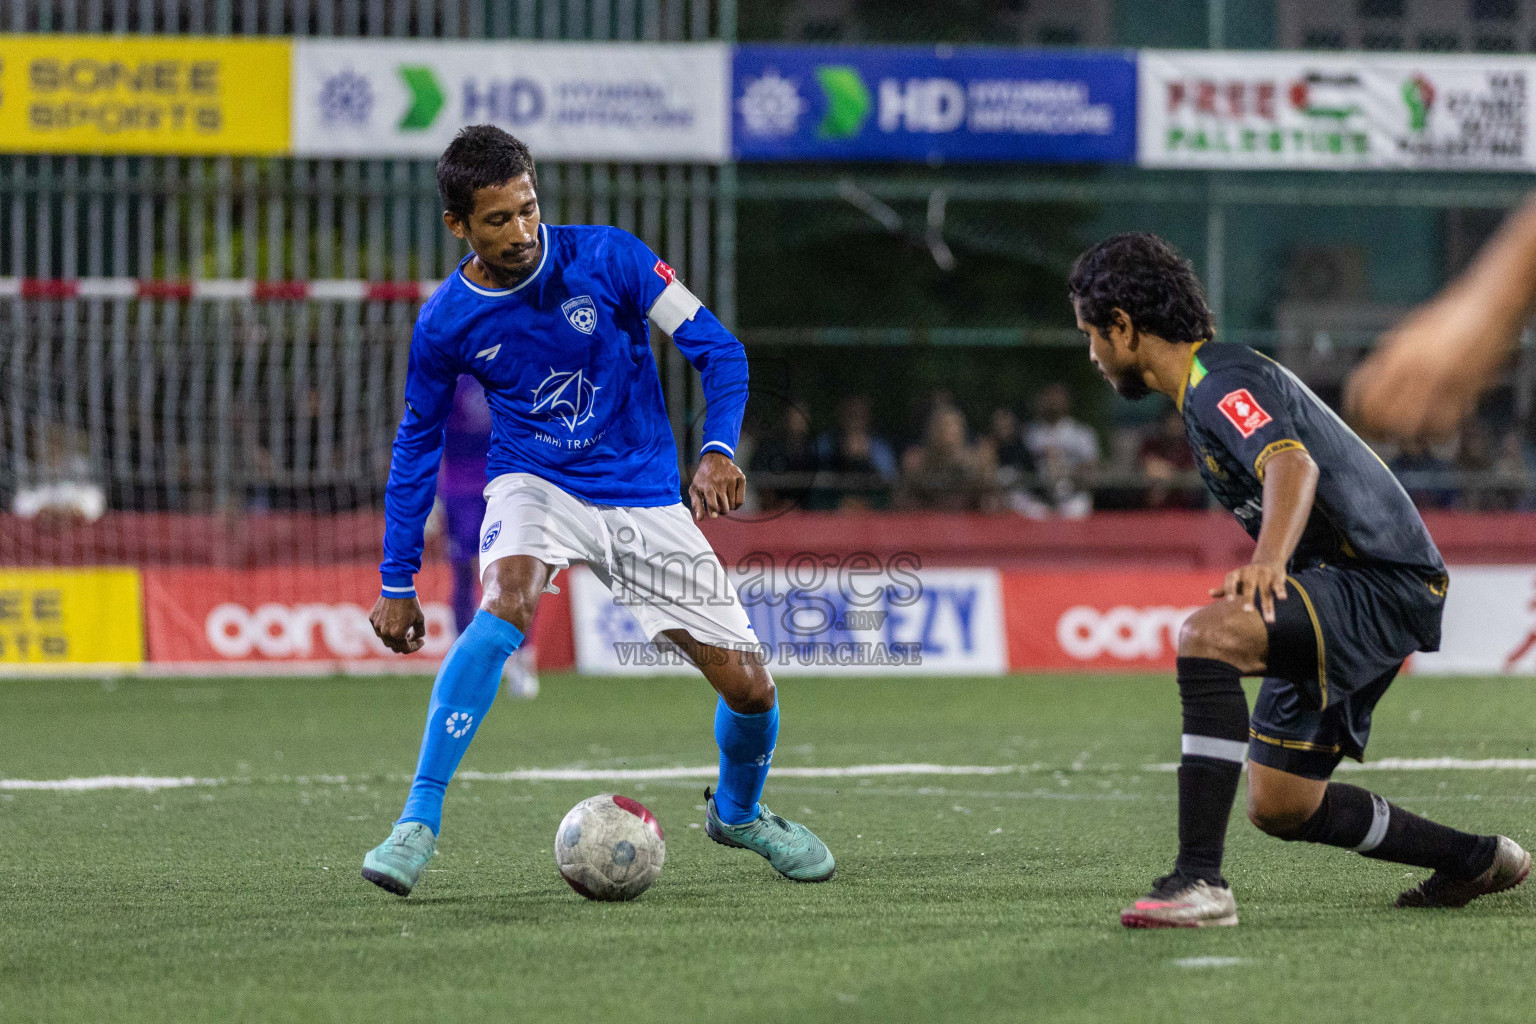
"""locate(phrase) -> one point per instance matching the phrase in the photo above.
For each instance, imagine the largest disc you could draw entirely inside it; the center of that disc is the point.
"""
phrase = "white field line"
(1212, 961)
(144, 782)
(1433, 764)
(153, 782)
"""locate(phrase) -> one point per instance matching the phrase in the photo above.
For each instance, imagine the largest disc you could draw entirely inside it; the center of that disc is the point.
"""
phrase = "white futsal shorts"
(654, 560)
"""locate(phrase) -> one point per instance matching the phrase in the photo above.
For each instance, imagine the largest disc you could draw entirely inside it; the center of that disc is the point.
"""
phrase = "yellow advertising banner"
(70, 616)
(144, 94)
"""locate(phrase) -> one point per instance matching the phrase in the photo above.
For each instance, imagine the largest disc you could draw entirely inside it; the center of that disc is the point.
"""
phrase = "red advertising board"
(1105, 620)
(304, 616)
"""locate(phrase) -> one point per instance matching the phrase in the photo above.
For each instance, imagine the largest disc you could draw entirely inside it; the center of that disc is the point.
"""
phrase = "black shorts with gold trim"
(1336, 644)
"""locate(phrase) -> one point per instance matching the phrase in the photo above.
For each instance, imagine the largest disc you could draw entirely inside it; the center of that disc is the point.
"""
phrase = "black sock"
(1359, 820)
(1214, 744)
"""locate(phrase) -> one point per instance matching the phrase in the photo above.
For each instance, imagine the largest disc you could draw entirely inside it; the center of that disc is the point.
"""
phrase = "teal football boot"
(792, 849)
(397, 862)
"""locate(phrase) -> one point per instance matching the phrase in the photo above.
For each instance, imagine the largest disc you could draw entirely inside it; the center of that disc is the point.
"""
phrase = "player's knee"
(1279, 818)
(512, 604)
(512, 589)
(745, 684)
(1205, 635)
(752, 694)
(1221, 633)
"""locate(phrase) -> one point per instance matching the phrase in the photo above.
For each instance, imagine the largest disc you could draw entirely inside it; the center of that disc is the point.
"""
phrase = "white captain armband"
(673, 307)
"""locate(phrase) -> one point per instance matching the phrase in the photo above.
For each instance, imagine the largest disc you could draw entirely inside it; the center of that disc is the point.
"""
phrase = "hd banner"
(567, 101)
(143, 94)
(932, 104)
(1344, 111)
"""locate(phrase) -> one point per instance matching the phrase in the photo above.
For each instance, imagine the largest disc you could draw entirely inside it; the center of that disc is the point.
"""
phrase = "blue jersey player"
(552, 321)
(1344, 584)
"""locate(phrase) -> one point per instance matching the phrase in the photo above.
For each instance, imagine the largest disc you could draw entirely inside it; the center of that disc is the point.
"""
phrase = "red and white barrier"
(957, 621)
(215, 289)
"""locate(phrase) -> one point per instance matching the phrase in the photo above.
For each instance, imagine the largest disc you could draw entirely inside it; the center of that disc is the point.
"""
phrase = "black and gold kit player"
(1344, 584)
(1368, 582)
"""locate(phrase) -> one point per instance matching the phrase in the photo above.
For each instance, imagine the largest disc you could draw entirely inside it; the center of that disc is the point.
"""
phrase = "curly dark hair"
(479, 156)
(1148, 279)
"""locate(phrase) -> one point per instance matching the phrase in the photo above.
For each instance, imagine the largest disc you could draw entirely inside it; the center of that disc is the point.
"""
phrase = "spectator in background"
(1016, 473)
(1065, 450)
(855, 452)
(59, 489)
(1162, 457)
(788, 454)
(1423, 475)
(1514, 467)
(1502, 475)
(1475, 456)
(461, 496)
(947, 472)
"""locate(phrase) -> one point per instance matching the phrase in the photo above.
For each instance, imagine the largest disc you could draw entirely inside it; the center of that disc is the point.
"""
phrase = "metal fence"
(185, 405)
(451, 19)
(193, 405)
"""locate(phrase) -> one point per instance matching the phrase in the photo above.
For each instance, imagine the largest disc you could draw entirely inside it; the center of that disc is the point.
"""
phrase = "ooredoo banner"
(1334, 111)
(567, 101)
(932, 104)
(1104, 620)
(282, 615)
(820, 619)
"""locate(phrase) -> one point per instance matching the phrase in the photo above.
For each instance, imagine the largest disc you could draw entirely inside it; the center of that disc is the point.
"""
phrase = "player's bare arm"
(399, 622)
(1290, 484)
(719, 486)
(1427, 373)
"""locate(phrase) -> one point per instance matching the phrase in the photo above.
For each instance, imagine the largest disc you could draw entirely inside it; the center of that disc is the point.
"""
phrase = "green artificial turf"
(967, 898)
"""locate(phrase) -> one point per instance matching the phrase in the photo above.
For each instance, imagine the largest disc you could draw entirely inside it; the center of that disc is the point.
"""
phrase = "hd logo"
(581, 312)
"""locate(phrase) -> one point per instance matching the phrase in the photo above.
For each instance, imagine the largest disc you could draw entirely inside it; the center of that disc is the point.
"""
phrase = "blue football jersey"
(574, 394)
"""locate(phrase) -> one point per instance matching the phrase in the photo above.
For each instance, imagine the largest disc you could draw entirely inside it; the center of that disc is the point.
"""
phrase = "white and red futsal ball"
(610, 848)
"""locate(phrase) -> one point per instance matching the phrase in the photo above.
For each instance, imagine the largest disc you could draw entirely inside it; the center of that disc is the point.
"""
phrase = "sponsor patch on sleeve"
(665, 272)
(1244, 412)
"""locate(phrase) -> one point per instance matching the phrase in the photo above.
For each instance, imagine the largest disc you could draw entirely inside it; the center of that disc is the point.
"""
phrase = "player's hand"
(1258, 582)
(718, 486)
(399, 622)
(1426, 373)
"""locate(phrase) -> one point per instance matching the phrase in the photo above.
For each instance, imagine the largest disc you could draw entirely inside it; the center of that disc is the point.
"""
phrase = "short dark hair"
(479, 156)
(1147, 278)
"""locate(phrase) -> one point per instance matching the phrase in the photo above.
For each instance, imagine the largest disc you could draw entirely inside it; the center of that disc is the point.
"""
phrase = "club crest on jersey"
(665, 272)
(566, 395)
(1246, 414)
(581, 312)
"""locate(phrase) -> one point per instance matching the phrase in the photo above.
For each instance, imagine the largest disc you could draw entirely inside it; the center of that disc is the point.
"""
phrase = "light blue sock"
(466, 685)
(746, 751)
